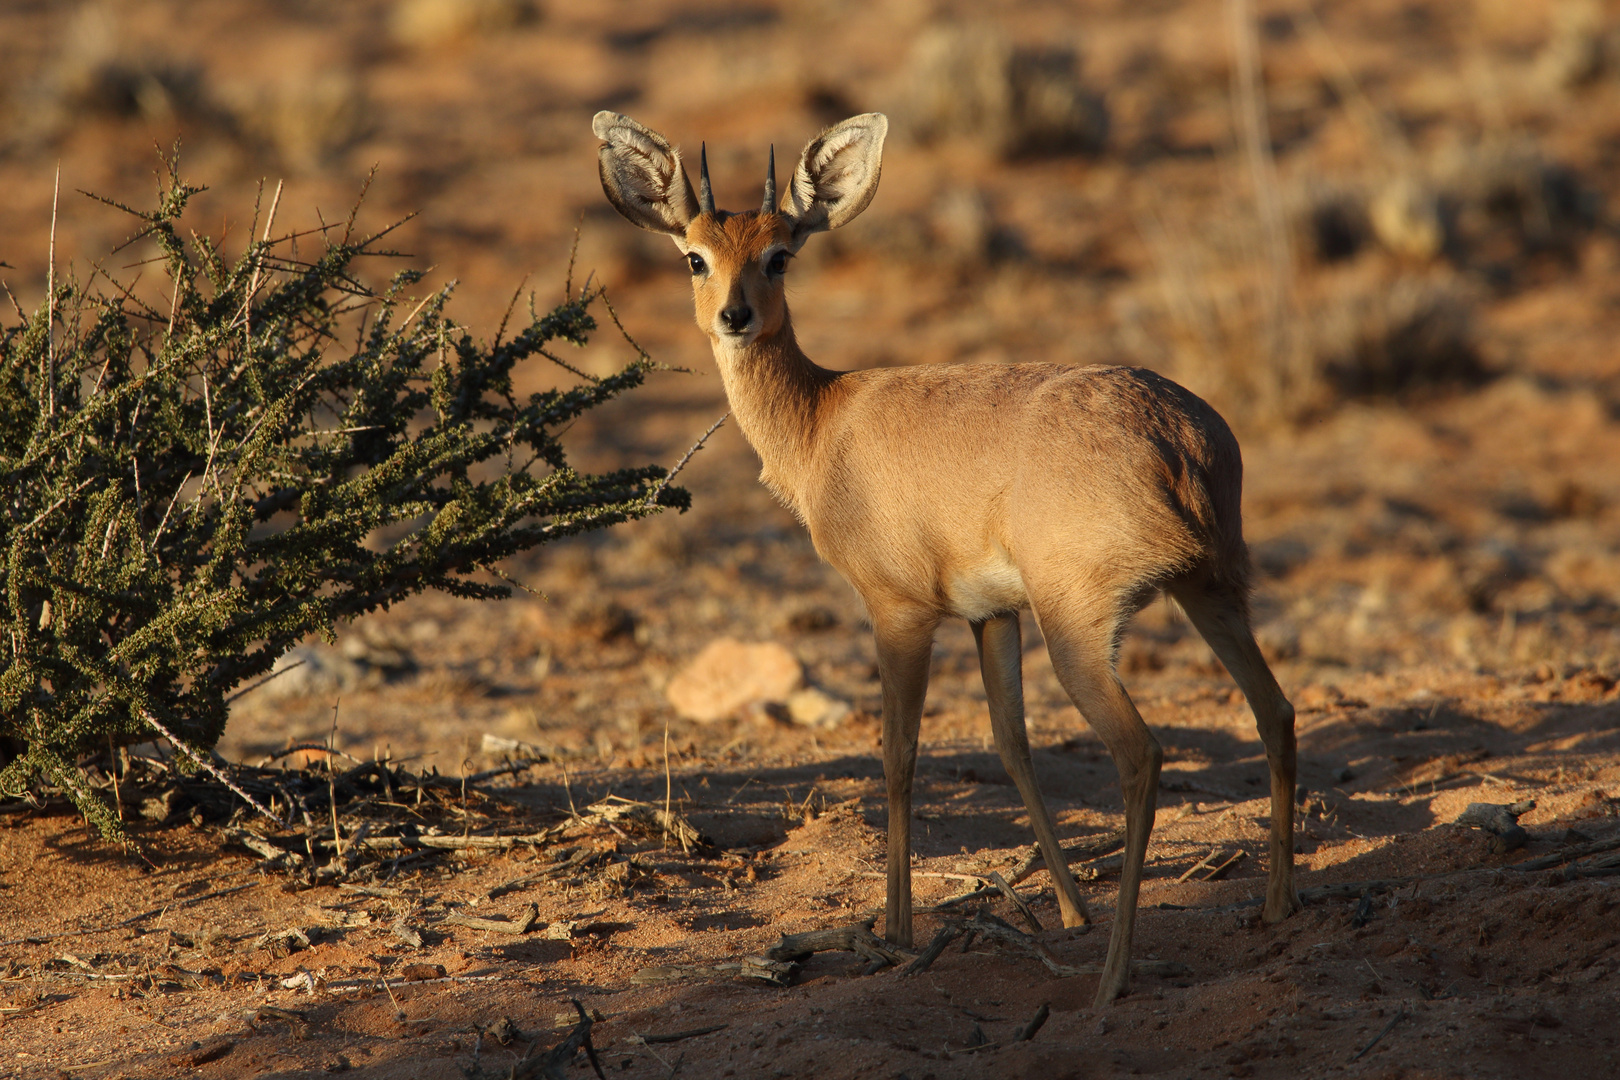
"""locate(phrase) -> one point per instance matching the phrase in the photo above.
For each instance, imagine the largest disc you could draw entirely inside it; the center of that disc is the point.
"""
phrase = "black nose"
(737, 318)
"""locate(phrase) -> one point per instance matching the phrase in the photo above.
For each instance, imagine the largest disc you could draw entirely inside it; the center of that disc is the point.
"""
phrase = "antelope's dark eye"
(695, 261)
(778, 264)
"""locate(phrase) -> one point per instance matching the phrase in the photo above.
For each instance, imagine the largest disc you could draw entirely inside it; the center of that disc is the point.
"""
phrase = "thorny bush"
(190, 492)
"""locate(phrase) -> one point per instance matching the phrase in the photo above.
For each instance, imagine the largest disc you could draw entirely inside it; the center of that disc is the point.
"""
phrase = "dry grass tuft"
(1369, 329)
(1584, 44)
(102, 71)
(306, 122)
(972, 82)
(429, 23)
(1397, 337)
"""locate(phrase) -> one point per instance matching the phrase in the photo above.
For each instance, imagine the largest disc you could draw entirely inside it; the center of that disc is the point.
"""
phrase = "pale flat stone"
(817, 708)
(728, 675)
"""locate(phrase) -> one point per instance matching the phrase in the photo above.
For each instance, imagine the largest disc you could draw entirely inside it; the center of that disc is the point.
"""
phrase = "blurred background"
(1378, 234)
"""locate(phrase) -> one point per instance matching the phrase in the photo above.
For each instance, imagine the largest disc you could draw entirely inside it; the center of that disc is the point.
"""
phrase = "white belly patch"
(989, 588)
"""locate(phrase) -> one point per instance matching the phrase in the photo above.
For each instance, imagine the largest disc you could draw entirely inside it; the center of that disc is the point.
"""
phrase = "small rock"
(1405, 217)
(407, 933)
(812, 620)
(283, 943)
(201, 1053)
(312, 671)
(605, 622)
(420, 972)
(378, 654)
(728, 675)
(1592, 805)
(161, 808)
(818, 709)
(767, 714)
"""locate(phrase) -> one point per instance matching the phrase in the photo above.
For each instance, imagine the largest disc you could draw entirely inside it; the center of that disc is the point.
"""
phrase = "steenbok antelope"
(975, 491)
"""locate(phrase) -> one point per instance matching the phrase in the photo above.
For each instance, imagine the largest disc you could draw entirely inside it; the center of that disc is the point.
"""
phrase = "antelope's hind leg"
(904, 649)
(1221, 617)
(1082, 650)
(1001, 655)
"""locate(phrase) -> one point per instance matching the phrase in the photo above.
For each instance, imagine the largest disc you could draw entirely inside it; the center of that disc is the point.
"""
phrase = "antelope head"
(739, 260)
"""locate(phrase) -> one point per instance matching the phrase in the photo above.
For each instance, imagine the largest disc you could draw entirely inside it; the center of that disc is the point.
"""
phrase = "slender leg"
(1223, 621)
(1082, 655)
(1001, 662)
(904, 648)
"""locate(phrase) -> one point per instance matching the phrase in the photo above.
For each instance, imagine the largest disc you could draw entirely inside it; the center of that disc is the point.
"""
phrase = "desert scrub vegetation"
(192, 488)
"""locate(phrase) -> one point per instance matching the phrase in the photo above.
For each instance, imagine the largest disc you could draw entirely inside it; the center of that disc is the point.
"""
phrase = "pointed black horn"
(705, 194)
(770, 185)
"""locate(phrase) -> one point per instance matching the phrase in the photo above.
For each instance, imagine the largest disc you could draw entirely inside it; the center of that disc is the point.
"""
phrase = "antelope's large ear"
(837, 175)
(642, 175)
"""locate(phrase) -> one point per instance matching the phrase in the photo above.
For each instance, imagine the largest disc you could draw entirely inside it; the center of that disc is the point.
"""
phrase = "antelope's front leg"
(1001, 653)
(904, 649)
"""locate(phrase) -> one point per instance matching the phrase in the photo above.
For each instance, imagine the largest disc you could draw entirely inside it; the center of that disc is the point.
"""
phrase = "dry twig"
(1017, 901)
(521, 925)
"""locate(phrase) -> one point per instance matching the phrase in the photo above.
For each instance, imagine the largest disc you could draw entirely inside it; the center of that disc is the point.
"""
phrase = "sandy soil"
(1440, 567)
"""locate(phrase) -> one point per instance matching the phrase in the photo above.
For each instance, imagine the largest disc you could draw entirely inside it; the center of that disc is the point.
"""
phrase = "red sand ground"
(1439, 572)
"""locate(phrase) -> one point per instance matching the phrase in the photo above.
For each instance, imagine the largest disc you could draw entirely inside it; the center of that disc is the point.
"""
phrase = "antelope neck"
(779, 398)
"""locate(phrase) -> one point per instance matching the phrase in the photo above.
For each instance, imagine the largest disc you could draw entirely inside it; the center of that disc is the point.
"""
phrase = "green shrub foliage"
(191, 489)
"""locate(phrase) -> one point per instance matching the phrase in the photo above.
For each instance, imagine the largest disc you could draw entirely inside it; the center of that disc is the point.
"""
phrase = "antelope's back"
(935, 475)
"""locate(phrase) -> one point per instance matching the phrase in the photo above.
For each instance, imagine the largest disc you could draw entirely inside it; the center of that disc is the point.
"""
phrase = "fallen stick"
(295, 1019)
(1089, 851)
(207, 766)
(1502, 821)
(856, 937)
(935, 948)
(1349, 889)
(346, 985)
(959, 899)
(979, 878)
(677, 1036)
(1389, 1027)
(991, 927)
(385, 892)
(578, 860)
(521, 925)
(1017, 901)
(647, 819)
(447, 843)
(1036, 1022)
(263, 847)
(1557, 858)
(1025, 1033)
(554, 1063)
(1364, 911)
(1220, 871)
(508, 767)
(1090, 871)
(756, 968)
(1199, 865)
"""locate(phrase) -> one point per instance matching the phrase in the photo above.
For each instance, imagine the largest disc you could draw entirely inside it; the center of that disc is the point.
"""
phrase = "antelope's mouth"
(748, 332)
